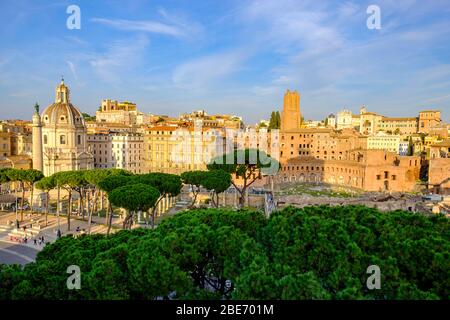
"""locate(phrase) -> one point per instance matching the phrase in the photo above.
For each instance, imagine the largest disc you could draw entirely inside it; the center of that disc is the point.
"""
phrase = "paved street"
(21, 253)
(11, 253)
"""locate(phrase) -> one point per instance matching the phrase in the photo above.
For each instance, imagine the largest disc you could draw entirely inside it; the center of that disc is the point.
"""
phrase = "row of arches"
(331, 179)
(311, 177)
(328, 169)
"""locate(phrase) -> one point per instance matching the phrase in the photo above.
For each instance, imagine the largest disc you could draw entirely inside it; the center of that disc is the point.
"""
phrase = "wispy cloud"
(145, 26)
(292, 25)
(176, 25)
(77, 40)
(235, 55)
(325, 51)
(179, 20)
(436, 99)
(201, 73)
(72, 69)
(120, 56)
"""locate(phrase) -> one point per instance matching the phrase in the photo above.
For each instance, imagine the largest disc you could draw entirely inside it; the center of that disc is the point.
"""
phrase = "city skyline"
(229, 57)
(206, 153)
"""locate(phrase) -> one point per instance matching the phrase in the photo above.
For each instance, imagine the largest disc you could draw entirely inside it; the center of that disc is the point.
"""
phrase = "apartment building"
(121, 150)
(171, 149)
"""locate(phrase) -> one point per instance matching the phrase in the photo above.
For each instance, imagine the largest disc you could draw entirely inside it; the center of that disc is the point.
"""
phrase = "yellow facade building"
(398, 125)
(5, 144)
(171, 149)
(382, 141)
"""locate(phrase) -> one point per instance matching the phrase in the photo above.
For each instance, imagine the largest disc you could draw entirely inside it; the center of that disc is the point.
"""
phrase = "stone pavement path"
(12, 251)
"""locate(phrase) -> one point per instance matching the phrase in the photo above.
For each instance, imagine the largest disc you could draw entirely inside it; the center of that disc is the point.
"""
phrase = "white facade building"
(120, 150)
(382, 141)
(344, 119)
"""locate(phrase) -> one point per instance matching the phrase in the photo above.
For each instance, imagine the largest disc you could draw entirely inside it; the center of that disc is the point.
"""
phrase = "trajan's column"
(37, 140)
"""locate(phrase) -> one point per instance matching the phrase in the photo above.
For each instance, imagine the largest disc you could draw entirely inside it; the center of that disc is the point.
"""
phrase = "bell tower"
(290, 116)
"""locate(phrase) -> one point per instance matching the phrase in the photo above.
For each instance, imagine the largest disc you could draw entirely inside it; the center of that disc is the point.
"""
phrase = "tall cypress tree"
(278, 120)
(275, 120)
(410, 147)
(272, 120)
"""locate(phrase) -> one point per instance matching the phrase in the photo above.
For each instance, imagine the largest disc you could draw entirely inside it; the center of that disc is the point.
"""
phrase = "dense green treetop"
(112, 182)
(15, 175)
(310, 253)
(193, 178)
(135, 197)
(33, 175)
(70, 179)
(29, 176)
(167, 184)
(248, 165)
(4, 175)
(217, 180)
(94, 176)
(244, 162)
(46, 183)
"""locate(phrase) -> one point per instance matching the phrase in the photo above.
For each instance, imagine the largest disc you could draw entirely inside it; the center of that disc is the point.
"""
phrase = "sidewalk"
(49, 232)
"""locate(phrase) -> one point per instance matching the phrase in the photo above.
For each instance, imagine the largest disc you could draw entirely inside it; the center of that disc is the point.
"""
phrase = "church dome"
(62, 112)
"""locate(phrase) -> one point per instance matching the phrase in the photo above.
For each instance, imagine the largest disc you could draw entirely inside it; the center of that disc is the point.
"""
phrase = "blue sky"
(227, 56)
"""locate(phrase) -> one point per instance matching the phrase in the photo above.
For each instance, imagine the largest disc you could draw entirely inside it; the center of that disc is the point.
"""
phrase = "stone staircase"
(182, 203)
(20, 234)
(5, 229)
(10, 230)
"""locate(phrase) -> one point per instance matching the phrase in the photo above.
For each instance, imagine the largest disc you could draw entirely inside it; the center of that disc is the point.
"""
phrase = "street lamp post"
(17, 217)
(58, 205)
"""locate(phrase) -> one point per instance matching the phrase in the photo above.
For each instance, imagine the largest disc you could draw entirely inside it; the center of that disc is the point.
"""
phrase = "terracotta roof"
(398, 119)
(307, 130)
(445, 143)
(162, 128)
